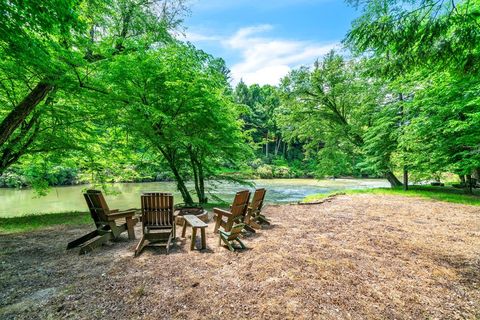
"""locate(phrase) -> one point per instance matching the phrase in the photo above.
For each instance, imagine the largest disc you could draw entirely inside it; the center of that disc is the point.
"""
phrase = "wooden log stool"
(195, 223)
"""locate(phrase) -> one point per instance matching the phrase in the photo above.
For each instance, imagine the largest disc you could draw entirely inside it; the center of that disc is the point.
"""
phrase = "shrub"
(265, 171)
(283, 172)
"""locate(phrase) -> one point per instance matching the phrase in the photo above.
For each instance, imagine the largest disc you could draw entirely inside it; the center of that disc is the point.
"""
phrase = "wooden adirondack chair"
(237, 213)
(255, 217)
(105, 221)
(228, 237)
(158, 223)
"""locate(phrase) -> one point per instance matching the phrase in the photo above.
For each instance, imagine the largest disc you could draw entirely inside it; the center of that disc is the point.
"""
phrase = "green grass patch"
(38, 221)
(447, 194)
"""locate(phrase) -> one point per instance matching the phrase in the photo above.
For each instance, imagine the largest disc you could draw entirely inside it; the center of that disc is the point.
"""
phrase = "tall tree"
(177, 101)
(53, 48)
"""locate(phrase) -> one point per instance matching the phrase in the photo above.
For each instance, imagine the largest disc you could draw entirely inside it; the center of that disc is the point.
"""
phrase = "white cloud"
(266, 60)
(261, 59)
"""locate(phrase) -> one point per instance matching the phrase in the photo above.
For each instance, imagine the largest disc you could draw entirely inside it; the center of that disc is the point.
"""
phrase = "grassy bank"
(38, 221)
(447, 194)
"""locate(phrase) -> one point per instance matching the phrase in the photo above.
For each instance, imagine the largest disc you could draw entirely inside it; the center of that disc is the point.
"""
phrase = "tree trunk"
(476, 174)
(13, 149)
(277, 145)
(394, 182)
(405, 178)
(462, 180)
(201, 180)
(18, 115)
(266, 146)
(469, 186)
(187, 198)
(198, 176)
(195, 180)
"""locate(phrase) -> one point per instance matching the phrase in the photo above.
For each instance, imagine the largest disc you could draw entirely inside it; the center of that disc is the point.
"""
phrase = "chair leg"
(85, 238)
(95, 243)
(225, 240)
(249, 229)
(169, 242)
(217, 223)
(254, 224)
(139, 247)
(263, 219)
(241, 243)
(130, 228)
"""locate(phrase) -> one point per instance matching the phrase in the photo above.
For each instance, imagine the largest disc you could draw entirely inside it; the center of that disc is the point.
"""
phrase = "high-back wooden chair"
(105, 221)
(237, 213)
(158, 223)
(255, 217)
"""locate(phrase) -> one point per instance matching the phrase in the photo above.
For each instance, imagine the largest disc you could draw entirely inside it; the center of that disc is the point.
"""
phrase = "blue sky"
(262, 40)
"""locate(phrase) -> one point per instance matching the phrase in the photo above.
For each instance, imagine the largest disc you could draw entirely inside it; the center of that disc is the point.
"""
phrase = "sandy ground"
(357, 257)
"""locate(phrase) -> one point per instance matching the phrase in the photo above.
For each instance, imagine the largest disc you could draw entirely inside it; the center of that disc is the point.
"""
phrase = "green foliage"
(176, 103)
(327, 109)
(406, 33)
(431, 51)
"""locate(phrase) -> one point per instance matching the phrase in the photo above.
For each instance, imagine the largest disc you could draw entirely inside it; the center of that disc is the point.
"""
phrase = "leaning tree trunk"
(394, 182)
(198, 176)
(20, 113)
(201, 180)
(469, 186)
(187, 198)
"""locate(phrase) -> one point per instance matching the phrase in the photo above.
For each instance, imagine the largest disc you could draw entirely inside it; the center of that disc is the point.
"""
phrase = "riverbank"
(357, 256)
(70, 199)
(25, 223)
(447, 194)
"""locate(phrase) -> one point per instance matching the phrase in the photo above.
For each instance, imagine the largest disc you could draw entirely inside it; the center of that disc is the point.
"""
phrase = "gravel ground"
(356, 257)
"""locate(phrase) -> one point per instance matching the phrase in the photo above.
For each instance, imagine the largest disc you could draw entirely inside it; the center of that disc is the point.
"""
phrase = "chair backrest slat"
(240, 203)
(157, 209)
(97, 205)
(258, 198)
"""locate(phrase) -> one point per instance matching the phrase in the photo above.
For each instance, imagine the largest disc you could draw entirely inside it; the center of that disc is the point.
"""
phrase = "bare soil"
(356, 257)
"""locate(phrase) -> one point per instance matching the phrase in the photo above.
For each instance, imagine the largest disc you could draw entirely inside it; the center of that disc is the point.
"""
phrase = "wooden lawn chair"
(105, 221)
(158, 223)
(255, 217)
(237, 213)
(228, 237)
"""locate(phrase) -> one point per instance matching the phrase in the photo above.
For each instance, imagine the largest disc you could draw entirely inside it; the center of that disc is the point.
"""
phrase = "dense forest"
(103, 91)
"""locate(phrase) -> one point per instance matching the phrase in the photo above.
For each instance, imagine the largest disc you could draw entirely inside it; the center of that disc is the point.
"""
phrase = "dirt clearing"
(361, 256)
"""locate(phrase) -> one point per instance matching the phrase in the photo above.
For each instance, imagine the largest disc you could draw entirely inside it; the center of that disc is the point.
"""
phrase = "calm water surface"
(15, 202)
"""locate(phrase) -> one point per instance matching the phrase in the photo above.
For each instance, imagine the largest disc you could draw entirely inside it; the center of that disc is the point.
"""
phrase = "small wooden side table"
(195, 223)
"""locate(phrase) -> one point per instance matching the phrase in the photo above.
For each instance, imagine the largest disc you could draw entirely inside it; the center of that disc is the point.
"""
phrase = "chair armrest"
(221, 212)
(122, 214)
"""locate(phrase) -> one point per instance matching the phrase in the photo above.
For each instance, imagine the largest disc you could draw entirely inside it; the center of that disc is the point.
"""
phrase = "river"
(16, 202)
